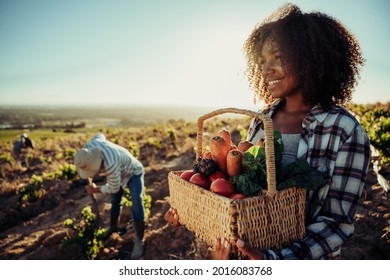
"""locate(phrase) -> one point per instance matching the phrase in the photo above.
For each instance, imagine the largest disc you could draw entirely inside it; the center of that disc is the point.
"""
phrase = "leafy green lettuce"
(300, 174)
(254, 175)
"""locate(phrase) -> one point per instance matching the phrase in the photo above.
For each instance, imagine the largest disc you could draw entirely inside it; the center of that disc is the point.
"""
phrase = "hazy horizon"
(61, 116)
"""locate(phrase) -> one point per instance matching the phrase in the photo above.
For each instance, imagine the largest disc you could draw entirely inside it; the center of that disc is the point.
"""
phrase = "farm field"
(33, 227)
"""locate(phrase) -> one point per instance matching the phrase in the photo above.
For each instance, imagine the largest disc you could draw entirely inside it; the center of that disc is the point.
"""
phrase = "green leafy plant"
(155, 142)
(69, 171)
(32, 191)
(48, 175)
(86, 234)
(171, 134)
(58, 153)
(115, 140)
(376, 122)
(70, 153)
(133, 137)
(7, 158)
(377, 125)
(134, 148)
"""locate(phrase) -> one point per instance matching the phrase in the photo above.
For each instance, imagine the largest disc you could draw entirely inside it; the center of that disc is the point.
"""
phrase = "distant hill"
(109, 116)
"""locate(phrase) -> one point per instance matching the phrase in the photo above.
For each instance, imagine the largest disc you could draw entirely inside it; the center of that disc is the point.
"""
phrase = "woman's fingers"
(172, 217)
(167, 215)
(251, 252)
(222, 249)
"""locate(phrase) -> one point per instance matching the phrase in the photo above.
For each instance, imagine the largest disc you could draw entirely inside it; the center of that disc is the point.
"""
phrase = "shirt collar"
(317, 113)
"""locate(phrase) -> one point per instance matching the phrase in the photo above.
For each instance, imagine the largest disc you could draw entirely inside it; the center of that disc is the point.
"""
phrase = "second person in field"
(122, 170)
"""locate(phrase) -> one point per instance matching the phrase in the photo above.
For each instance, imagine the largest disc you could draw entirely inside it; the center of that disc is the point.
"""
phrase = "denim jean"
(135, 186)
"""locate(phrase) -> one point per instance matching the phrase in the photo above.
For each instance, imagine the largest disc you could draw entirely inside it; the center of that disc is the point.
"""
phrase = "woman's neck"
(295, 105)
(289, 115)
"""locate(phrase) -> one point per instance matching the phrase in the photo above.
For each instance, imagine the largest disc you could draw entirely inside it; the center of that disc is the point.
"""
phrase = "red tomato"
(200, 180)
(222, 187)
(237, 196)
(216, 175)
(186, 175)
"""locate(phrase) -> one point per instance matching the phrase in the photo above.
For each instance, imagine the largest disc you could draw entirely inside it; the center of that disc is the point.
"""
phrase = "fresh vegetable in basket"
(219, 150)
(244, 145)
(222, 187)
(206, 166)
(186, 175)
(300, 173)
(225, 134)
(234, 163)
(254, 175)
(200, 180)
(252, 217)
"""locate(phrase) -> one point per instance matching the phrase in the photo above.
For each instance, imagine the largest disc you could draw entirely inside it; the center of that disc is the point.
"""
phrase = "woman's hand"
(223, 249)
(251, 252)
(172, 217)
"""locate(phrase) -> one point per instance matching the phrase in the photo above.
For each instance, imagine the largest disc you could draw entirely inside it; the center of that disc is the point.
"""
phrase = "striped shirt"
(334, 143)
(119, 165)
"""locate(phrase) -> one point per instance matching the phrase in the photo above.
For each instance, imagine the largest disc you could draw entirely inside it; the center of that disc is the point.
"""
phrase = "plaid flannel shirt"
(119, 165)
(334, 143)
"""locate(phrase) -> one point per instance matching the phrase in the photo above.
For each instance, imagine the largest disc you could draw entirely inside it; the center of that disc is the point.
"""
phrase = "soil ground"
(39, 237)
(34, 231)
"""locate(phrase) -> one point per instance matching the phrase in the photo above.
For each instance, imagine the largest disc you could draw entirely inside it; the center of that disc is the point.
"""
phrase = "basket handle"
(268, 134)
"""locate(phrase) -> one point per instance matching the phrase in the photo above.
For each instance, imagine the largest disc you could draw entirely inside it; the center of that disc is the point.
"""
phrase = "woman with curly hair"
(304, 66)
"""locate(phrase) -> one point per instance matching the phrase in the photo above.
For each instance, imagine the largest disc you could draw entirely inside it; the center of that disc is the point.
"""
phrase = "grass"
(12, 135)
(8, 136)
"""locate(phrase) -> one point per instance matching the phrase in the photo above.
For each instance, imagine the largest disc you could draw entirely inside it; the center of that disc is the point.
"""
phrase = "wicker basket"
(268, 221)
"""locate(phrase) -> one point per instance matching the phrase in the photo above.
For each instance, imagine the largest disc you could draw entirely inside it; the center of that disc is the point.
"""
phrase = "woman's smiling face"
(280, 81)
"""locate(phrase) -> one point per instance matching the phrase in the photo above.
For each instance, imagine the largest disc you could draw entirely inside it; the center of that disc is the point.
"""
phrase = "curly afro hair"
(323, 54)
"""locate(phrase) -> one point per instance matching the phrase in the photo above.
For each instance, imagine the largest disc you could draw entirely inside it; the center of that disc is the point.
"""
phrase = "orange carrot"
(234, 162)
(225, 134)
(207, 154)
(219, 150)
(243, 146)
(260, 142)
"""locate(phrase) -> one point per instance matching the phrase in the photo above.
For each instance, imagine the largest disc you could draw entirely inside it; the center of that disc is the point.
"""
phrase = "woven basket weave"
(269, 221)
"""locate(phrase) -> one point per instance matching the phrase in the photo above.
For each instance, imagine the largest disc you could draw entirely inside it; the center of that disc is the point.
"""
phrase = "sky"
(159, 52)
